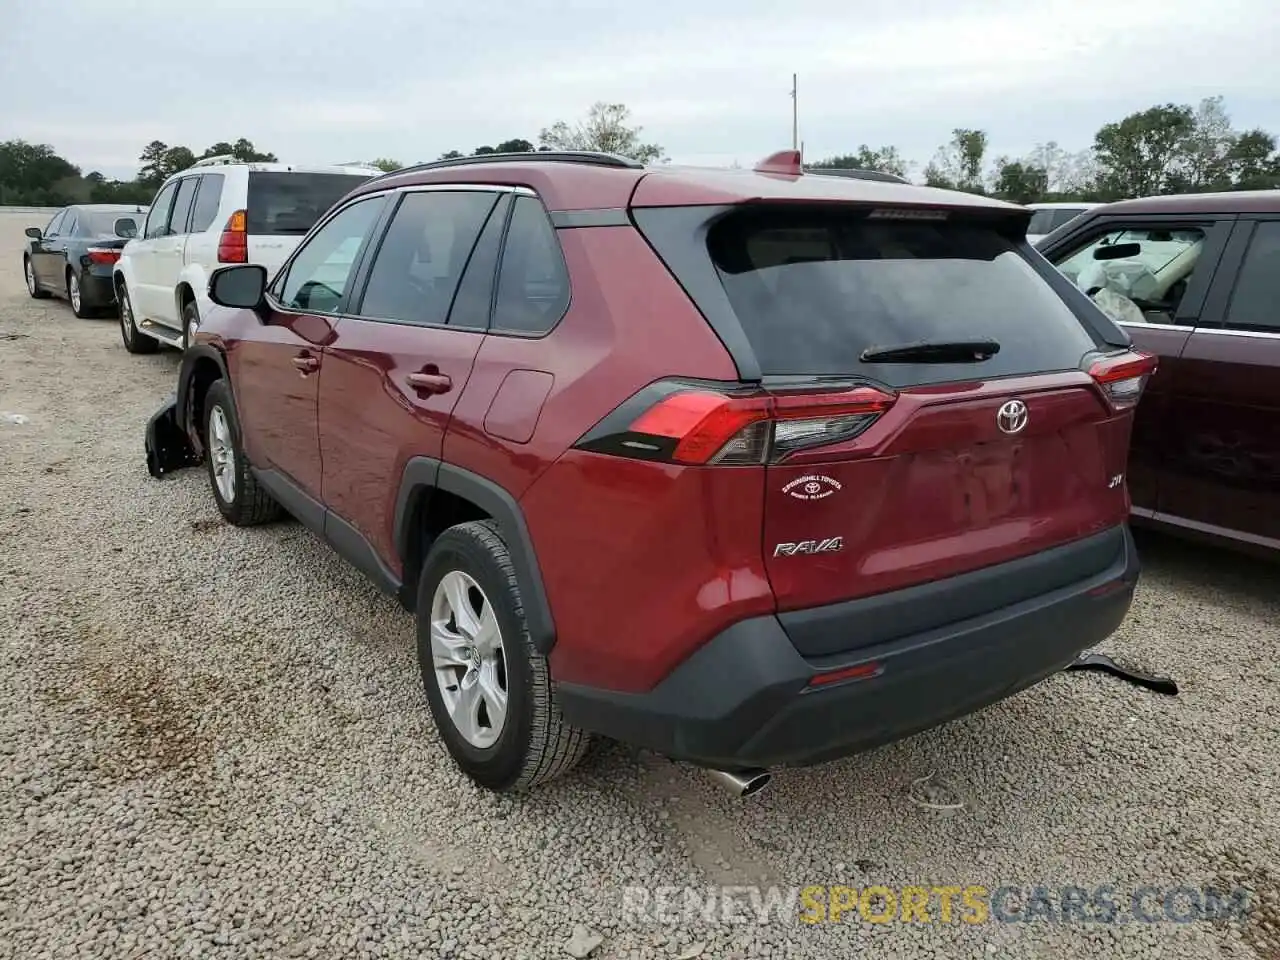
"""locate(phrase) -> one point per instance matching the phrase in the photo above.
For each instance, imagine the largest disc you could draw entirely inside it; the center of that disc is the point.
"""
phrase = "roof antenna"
(795, 114)
(783, 163)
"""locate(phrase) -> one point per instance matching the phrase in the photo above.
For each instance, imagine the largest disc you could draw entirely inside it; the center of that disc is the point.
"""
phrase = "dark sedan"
(73, 256)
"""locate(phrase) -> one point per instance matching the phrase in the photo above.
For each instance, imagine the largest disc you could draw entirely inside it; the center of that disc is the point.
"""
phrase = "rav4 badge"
(829, 545)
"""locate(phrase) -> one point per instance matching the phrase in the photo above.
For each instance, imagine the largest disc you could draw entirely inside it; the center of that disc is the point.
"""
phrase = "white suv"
(217, 212)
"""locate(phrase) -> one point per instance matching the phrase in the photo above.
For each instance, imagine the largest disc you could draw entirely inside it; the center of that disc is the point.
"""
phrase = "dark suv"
(1195, 280)
(751, 468)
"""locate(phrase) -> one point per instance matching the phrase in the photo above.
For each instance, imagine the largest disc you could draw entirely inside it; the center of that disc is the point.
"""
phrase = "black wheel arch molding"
(421, 476)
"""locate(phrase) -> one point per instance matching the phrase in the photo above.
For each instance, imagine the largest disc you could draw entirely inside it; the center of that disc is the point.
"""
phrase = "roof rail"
(593, 157)
(855, 174)
(219, 159)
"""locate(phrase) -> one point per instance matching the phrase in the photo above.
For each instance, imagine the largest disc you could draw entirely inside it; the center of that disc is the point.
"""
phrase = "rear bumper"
(743, 699)
(97, 289)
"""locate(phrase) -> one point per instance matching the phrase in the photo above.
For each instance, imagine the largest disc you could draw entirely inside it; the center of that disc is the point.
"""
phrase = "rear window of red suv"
(814, 289)
(289, 204)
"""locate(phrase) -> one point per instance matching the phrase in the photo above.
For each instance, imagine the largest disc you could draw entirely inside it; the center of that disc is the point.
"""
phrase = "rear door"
(1224, 470)
(403, 353)
(282, 206)
(1180, 254)
(976, 461)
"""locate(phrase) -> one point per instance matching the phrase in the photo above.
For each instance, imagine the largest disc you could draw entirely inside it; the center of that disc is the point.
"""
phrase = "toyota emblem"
(1012, 416)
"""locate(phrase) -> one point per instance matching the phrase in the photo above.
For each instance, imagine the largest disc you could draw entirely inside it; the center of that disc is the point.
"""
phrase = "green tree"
(153, 162)
(886, 159)
(958, 165)
(242, 150)
(387, 165)
(607, 129)
(1144, 154)
(33, 173)
(176, 159)
(451, 155)
(514, 146)
(1253, 161)
(1205, 163)
(1019, 182)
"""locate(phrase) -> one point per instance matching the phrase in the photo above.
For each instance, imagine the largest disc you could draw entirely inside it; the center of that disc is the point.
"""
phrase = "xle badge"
(811, 487)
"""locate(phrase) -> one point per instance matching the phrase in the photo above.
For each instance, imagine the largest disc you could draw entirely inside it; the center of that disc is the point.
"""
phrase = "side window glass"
(208, 199)
(533, 281)
(474, 301)
(158, 215)
(71, 225)
(320, 272)
(1136, 275)
(55, 224)
(1255, 302)
(182, 205)
(416, 271)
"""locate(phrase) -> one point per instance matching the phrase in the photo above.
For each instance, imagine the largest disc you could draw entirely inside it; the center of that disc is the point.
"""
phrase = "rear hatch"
(284, 205)
(931, 404)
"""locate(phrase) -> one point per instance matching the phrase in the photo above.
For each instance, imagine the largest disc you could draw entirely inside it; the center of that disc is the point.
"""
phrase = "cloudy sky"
(709, 80)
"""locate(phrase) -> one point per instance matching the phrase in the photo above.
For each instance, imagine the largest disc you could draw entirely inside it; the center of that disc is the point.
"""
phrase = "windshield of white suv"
(282, 203)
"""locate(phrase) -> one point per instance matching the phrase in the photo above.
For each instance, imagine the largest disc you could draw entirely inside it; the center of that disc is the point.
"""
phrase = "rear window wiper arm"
(973, 350)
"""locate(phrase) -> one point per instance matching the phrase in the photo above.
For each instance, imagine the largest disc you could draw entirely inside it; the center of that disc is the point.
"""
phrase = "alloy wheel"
(73, 291)
(222, 454)
(468, 659)
(126, 319)
(31, 277)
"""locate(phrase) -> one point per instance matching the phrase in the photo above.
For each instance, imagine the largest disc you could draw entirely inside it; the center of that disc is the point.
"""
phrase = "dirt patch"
(158, 717)
(206, 526)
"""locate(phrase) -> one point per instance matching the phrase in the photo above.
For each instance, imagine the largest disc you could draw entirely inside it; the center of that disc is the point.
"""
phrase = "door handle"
(306, 363)
(430, 382)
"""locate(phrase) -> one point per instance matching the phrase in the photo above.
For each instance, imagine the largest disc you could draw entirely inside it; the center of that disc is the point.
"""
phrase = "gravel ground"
(213, 742)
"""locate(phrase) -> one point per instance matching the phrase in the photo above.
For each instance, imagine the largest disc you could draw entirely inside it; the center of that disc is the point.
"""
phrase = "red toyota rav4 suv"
(751, 468)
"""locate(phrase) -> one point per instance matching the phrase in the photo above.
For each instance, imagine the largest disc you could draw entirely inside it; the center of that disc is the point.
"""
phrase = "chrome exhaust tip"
(742, 783)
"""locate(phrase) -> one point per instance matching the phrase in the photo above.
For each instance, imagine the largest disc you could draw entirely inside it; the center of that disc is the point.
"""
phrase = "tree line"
(1167, 148)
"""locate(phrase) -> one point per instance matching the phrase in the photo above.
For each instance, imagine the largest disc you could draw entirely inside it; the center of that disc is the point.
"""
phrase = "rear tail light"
(1123, 376)
(103, 256)
(706, 426)
(233, 245)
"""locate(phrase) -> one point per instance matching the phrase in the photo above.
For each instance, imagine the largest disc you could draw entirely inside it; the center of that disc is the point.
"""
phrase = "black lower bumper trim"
(167, 445)
(743, 700)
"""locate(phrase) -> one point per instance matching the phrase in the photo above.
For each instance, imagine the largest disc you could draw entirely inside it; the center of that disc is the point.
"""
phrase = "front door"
(278, 370)
(167, 256)
(1155, 292)
(145, 256)
(45, 253)
(404, 353)
(1224, 474)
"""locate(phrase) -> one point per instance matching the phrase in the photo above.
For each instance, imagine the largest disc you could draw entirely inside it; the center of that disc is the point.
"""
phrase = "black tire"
(82, 310)
(135, 341)
(33, 285)
(535, 744)
(249, 504)
(190, 314)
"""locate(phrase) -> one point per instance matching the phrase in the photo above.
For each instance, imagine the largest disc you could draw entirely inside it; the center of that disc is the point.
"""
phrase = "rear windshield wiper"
(934, 351)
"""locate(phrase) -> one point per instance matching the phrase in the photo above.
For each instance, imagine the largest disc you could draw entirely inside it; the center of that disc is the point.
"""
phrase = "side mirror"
(240, 287)
(1117, 251)
(126, 228)
(34, 233)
